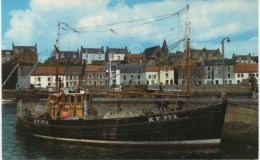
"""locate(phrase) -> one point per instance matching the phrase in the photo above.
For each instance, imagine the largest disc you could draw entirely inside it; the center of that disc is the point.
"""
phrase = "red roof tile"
(246, 68)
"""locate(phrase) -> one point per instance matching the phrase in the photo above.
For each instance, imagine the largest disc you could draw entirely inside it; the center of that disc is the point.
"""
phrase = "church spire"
(165, 47)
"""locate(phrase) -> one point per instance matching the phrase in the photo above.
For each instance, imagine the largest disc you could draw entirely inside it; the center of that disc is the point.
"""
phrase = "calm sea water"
(17, 145)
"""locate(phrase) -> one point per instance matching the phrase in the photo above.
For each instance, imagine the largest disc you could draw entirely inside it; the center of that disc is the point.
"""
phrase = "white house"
(243, 72)
(92, 55)
(116, 54)
(166, 75)
(151, 75)
(44, 77)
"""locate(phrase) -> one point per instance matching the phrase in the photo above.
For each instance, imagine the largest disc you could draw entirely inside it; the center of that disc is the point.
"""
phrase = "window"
(229, 76)
(100, 82)
(49, 78)
(242, 75)
(124, 77)
(149, 76)
(167, 82)
(113, 75)
(166, 75)
(72, 99)
(66, 98)
(90, 76)
(70, 77)
(154, 76)
(39, 79)
(100, 76)
(78, 98)
(238, 75)
(139, 77)
(228, 68)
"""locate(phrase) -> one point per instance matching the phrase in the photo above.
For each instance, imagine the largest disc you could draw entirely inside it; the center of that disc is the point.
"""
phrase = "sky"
(135, 24)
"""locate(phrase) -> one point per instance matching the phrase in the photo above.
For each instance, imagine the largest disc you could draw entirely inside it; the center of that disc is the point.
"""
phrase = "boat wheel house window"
(72, 99)
(78, 98)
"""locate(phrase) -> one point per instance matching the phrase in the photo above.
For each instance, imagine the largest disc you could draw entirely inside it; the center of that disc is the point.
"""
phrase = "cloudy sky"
(137, 24)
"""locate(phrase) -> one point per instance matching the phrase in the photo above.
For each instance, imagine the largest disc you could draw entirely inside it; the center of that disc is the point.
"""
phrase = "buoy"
(65, 114)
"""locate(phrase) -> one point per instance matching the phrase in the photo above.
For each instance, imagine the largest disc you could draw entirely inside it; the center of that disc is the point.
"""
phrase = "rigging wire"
(131, 21)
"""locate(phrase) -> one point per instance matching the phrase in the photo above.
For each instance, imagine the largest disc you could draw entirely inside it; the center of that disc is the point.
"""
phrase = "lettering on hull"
(40, 121)
(161, 118)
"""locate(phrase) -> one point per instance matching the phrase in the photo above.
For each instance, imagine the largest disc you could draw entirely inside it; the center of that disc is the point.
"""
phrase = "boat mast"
(188, 53)
(57, 89)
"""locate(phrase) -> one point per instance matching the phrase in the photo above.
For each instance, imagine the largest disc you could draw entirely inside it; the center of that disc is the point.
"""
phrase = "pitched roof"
(246, 68)
(149, 51)
(48, 70)
(7, 52)
(69, 54)
(219, 62)
(95, 68)
(73, 70)
(92, 50)
(134, 56)
(131, 68)
(151, 69)
(116, 50)
(242, 57)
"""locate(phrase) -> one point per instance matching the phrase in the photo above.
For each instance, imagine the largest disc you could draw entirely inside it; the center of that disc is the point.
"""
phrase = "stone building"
(196, 72)
(214, 72)
(25, 54)
(247, 59)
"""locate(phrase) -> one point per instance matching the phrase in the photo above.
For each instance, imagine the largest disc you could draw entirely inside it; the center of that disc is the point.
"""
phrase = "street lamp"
(223, 67)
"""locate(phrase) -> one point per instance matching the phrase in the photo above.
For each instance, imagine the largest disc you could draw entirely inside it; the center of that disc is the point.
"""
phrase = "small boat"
(72, 117)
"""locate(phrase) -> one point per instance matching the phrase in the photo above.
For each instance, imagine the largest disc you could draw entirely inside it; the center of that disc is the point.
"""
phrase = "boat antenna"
(188, 53)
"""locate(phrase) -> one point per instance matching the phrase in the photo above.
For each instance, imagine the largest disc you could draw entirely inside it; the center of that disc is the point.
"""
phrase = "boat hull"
(201, 126)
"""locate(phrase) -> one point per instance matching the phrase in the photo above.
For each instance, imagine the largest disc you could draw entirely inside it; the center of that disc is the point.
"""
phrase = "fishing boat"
(72, 117)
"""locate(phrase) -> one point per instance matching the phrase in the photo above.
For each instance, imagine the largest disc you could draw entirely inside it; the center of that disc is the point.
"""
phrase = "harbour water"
(17, 145)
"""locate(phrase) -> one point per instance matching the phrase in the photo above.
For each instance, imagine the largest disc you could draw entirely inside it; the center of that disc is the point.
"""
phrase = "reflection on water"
(21, 146)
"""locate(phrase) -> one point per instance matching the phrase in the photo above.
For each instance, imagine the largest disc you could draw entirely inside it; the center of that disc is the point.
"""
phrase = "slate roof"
(4, 52)
(73, 70)
(246, 68)
(69, 54)
(150, 51)
(117, 50)
(242, 57)
(219, 62)
(131, 68)
(92, 50)
(18, 49)
(205, 51)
